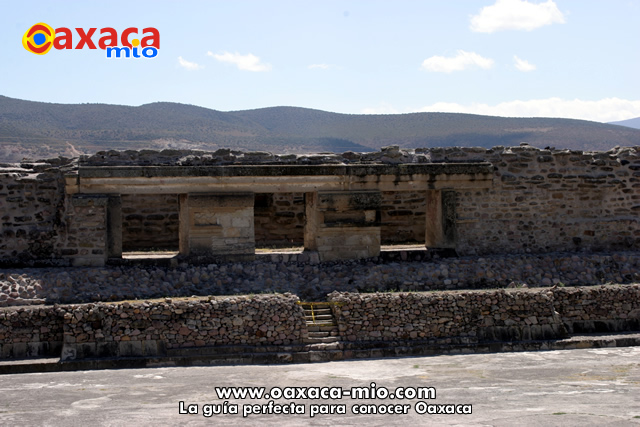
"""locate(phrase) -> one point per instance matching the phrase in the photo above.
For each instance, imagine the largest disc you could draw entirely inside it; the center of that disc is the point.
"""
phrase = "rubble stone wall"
(150, 328)
(156, 328)
(30, 332)
(32, 209)
(599, 309)
(502, 315)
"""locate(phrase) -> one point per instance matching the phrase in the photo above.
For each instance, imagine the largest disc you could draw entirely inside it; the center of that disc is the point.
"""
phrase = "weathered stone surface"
(500, 200)
(152, 328)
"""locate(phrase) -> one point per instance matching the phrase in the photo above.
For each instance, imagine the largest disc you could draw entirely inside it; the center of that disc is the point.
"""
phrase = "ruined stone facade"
(217, 206)
(160, 328)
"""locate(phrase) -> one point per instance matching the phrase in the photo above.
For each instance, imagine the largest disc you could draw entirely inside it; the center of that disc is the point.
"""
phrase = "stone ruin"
(518, 206)
(219, 206)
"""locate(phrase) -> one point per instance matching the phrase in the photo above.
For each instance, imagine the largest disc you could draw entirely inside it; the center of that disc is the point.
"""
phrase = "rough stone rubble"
(313, 281)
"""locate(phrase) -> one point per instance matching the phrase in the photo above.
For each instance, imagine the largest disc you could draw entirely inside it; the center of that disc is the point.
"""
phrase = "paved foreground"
(569, 388)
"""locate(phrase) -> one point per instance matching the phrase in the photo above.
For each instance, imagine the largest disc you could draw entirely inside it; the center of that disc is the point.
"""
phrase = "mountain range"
(632, 123)
(38, 130)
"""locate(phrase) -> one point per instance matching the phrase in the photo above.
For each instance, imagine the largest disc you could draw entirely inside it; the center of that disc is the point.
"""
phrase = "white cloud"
(192, 66)
(603, 110)
(320, 66)
(516, 15)
(459, 62)
(523, 65)
(247, 62)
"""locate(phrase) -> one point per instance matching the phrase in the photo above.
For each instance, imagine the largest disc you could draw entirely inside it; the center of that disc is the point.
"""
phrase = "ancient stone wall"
(156, 328)
(152, 328)
(149, 328)
(84, 241)
(502, 315)
(402, 217)
(544, 200)
(32, 332)
(279, 219)
(599, 309)
(31, 213)
(495, 315)
(150, 221)
(538, 201)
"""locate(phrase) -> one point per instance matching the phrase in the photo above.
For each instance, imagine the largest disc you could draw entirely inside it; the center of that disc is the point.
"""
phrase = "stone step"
(320, 317)
(319, 334)
(328, 343)
(321, 327)
(318, 310)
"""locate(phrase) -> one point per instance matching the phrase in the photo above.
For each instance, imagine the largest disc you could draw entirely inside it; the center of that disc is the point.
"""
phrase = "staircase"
(321, 325)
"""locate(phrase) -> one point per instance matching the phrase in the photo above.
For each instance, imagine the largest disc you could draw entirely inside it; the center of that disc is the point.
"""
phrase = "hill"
(37, 129)
(632, 123)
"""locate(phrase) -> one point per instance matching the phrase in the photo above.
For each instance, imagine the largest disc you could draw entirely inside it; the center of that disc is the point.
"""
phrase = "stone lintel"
(282, 170)
(279, 184)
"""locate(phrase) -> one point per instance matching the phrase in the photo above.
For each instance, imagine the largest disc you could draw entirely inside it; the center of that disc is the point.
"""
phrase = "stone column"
(217, 226)
(86, 242)
(440, 232)
(114, 227)
(343, 224)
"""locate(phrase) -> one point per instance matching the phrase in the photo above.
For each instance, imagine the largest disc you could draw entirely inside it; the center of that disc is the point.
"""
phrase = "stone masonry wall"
(150, 221)
(599, 309)
(403, 217)
(279, 219)
(478, 315)
(306, 277)
(36, 331)
(31, 212)
(503, 315)
(84, 241)
(541, 201)
(155, 328)
(544, 200)
(151, 328)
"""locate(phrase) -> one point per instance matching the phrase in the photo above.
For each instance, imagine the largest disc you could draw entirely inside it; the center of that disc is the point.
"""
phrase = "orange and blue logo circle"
(39, 38)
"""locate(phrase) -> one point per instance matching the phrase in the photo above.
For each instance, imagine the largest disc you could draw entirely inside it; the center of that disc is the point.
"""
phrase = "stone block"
(221, 200)
(342, 201)
(68, 352)
(107, 349)
(245, 221)
(130, 349)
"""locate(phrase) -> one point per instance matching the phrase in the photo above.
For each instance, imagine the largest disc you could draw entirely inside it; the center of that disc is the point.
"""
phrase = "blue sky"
(573, 58)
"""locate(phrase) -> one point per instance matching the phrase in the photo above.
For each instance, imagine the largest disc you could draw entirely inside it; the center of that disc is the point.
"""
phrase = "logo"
(40, 38)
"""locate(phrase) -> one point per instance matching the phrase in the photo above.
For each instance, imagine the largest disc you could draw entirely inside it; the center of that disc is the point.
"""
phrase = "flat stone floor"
(586, 387)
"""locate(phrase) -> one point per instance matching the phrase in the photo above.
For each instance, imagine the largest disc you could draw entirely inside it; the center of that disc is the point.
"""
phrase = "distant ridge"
(632, 123)
(38, 130)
